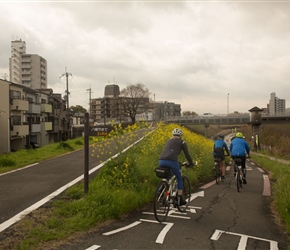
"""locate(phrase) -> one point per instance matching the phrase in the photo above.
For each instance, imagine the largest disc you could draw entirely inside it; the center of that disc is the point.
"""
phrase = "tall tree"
(78, 109)
(134, 100)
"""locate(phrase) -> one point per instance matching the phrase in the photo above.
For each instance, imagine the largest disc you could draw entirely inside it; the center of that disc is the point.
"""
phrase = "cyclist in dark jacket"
(219, 149)
(169, 158)
(239, 148)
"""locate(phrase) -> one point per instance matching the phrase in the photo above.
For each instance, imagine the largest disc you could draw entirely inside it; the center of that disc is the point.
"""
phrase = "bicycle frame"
(239, 173)
(166, 197)
(218, 172)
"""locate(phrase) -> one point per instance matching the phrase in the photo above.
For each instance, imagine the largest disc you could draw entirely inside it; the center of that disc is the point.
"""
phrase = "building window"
(16, 120)
(15, 94)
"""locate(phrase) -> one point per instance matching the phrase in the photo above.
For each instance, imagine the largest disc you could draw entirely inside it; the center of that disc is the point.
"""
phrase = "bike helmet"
(239, 134)
(177, 131)
(221, 136)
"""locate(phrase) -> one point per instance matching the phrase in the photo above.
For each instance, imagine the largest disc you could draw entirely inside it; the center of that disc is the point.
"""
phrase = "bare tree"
(134, 100)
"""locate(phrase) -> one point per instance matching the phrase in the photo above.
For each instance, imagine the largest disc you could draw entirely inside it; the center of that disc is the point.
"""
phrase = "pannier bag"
(238, 161)
(217, 159)
(163, 173)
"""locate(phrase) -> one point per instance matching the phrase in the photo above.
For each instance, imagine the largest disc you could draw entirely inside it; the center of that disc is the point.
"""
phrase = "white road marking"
(94, 247)
(123, 228)
(267, 186)
(164, 231)
(12, 171)
(208, 185)
(161, 236)
(244, 238)
(261, 170)
(197, 194)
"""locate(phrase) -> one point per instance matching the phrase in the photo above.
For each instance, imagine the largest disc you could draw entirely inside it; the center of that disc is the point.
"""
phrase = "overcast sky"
(208, 56)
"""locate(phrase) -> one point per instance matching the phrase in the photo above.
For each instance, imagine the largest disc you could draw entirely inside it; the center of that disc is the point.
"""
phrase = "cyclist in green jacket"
(239, 148)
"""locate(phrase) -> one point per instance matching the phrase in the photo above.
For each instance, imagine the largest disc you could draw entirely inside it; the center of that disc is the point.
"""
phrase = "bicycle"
(218, 169)
(238, 173)
(166, 192)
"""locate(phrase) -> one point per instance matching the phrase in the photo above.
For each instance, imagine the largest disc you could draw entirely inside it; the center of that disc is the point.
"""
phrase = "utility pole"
(90, 101)
(66, 74)
(228, 101)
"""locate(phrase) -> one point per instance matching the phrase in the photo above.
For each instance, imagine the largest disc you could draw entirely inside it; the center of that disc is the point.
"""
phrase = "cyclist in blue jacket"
(219, 149)
(239, 148)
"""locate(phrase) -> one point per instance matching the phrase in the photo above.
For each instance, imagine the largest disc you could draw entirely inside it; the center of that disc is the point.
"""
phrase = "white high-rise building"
(18, 48)
(29, 70)
(276, 106)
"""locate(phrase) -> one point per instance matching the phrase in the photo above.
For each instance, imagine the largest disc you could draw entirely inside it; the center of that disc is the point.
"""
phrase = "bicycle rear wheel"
(217, 173)
(161, 201)
(186, 193)
(239, 180)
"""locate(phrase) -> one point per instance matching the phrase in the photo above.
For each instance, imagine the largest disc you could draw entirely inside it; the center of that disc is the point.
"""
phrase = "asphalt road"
(219, 217)
(22, 191)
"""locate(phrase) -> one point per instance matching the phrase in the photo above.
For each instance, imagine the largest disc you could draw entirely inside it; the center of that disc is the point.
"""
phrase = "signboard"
(100, 130)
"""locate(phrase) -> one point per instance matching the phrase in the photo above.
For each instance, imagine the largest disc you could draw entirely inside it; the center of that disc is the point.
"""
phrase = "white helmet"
(177, 131)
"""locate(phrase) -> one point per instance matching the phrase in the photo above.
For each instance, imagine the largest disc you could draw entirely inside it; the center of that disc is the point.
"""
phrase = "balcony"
(19, 130)
(35, 128)
(34, 108)
(18, 104)
(46, 126)
(46, 108)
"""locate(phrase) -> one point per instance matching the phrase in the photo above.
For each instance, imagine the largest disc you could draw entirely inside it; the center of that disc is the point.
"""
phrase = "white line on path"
(123, 228)
(267, 186)
(19, 169)
(94, 247)
(260, 170)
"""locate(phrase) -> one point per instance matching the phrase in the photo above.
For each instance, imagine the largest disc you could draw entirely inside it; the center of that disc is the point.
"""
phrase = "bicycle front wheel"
(186, 193)
(161, 201)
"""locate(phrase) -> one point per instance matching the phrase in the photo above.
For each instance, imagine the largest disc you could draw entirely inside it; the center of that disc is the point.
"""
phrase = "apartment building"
(29, 70)
(30, 117)
(4, 117)
(276, 105)
(113, 105)
(164, 110)
(18, 48)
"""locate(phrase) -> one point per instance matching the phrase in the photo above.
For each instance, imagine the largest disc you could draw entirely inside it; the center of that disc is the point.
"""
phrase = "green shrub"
(5, 162)
(64, 145)
(79, 142)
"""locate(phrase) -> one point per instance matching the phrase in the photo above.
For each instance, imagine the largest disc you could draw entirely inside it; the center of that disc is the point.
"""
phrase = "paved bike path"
(218, 217)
